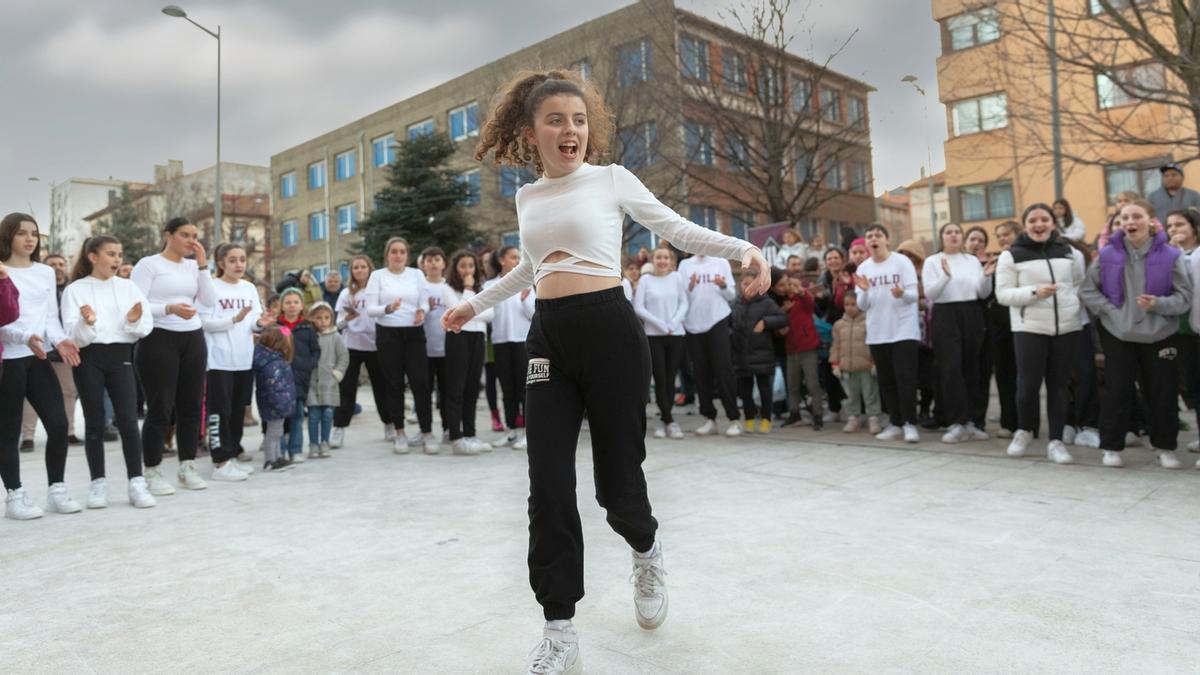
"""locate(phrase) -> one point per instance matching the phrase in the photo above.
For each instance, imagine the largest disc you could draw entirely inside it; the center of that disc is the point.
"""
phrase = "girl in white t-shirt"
(358, 331)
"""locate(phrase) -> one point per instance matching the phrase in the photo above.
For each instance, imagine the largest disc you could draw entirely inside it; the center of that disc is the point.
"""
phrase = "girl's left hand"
(754, 258)
(456, 317)
(135, 313)
(1147, 302)
(420, 317)
(69, 352)
(198, 249)
(989, 268)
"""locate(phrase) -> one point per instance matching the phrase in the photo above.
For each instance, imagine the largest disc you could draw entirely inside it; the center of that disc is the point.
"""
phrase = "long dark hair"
(1069, 216)
(1039, 206)
(455, 280)
(83, 265)
(219, 256)
(8, 230)
(1191, 216)
(171, 227)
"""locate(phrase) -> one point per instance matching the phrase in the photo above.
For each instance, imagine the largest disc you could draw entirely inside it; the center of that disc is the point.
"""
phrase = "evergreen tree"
(422, 203)
(138, 238)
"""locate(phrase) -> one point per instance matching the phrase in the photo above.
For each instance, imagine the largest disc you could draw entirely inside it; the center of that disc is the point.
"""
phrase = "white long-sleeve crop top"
(111, 300)
(582, 215)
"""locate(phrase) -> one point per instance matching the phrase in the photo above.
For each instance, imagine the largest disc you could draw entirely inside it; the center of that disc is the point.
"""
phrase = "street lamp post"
(912, 79)
(218, 221)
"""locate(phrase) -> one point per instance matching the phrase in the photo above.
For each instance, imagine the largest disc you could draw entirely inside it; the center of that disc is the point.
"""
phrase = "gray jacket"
(1130, 322)
(335, 359)
(1164, 203)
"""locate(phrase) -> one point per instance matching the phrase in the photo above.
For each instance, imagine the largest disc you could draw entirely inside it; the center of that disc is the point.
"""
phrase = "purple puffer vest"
(1160, 262)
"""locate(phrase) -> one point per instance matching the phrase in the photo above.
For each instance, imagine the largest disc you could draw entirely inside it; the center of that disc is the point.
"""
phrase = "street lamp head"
(906, 78)
(35, 179)
(175, 11)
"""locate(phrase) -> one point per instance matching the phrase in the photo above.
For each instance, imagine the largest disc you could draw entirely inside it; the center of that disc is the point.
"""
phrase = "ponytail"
(83, 264)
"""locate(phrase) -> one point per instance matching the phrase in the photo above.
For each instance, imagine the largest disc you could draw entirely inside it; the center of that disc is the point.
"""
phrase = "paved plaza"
(794, 552)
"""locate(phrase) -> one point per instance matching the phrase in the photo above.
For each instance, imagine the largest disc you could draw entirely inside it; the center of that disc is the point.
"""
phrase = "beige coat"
(849, 351)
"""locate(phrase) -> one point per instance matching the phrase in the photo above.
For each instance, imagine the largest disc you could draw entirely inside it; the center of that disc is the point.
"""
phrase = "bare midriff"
(562, 284)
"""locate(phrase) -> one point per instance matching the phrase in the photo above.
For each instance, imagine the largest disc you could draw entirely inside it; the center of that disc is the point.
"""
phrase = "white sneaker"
(189, 477)
(389, 432)
(463, 446)
(480, 445)
(873, 426)
(976, 433)
(556, 654)
(433, 444)
(337, 437)
(911, 434)
(708, 428)
(156, 484)
(400, 445)
(1168, 460)
(1132, 440)
(506, 440)
(957, 434)
(139, 494)
(650, 588)
(1113, 458)
(19, 506)
(228, 472)
(1087, 437)
(1004, 433)
(851, 425)
(1020, 442)
(1058, 453)
(735, 429)
(674, 431)
(98, 494)
(890, 433)
(521, 444)
(1194, 446)
(297, 458)
(244, 468)
(1069, 434)
(58, 500)
(660, 430)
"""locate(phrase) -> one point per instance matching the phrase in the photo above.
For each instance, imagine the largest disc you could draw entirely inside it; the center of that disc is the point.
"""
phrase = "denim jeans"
(320, 423)
(293, 443)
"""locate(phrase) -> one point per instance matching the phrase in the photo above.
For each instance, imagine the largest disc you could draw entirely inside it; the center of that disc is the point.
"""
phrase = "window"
(1098, 9)
(1142, 178)
(768, 84)
(733, 70)
(511, 238)
(856, 113)
(287, 185)
(802, 90)
(344, 270)
(471, 180)
(290, 232)
(973, 28)
(633, 63)
(637, 145)
(705, 216)
(860, 177)
(981, 202)
(831, 173)
(347, 218)
(420, 129)
(737, 151)
(1129, 85)
(697, 141)
(693, 53)
(980, 114)
(318, 226)
(319, 272)
(383, 150)
(345, 165)
(584, 68)
(831, 104)
(316, 175)
(512, 178)
(464, 122)
(740, 223)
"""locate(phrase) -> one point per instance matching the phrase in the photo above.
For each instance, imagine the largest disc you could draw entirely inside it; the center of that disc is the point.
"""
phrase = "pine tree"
(423, 202)
(138, 239)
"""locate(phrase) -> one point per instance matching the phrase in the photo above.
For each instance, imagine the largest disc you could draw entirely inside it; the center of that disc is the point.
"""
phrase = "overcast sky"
(98, 89)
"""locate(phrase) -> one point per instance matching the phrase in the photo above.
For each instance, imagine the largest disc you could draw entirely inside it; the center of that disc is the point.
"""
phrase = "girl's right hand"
(88, 314)
(862, 282)
(35, 344)
(182, 310)
(1046, 290)
(242, 314)
(458, 316)
(393, 306)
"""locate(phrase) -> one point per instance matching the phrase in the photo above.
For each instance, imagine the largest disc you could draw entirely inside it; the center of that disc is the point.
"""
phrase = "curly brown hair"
(504, 133)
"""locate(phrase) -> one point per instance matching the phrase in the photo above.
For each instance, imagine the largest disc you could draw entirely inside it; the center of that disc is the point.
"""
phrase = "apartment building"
(322, 187)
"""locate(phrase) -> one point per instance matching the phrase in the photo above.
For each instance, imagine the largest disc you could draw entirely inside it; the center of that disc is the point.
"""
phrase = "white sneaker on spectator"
(58, 500)
(1068, 434)
(851, 425)
(708, 428)
(1058, 453)
(976, 433)
(911, 434)
(139, 494)
(480, 444)
(1113, 458)
(556, 654)
(155, 483)
(734, 429)
(1004, 433)
(1194, 446)
(873, 426)
(649, 588)
(189, 477)
(1087, 437)
(463, 446)
(98, 494)
(890, 433)
(389, 432)
(1168, 460)
(521, 444)
(297, 458)
(660, 430)
(18, 505)
(1020, 442)
(506, 440)
(229, 472)
(433, 444)
(400, 445)
(957, 434)
(674, 431)
(337, 437)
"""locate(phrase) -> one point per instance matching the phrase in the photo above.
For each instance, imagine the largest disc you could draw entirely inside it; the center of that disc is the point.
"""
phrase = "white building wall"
(70, 201)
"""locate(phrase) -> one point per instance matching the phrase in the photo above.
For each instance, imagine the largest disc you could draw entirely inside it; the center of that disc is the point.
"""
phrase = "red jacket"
(10, 311)
(802, 332)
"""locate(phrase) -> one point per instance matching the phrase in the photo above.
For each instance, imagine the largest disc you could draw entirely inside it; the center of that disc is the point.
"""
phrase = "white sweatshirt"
(707, 302)
(799, 250)
(168, 283)
(889, 319)
(662, 303)
(38, 300)
(111, 300)
(435, 335)
(358, 333)
(231, 345)
(479, 322)
(408, 286)
(966, 281)
(512, 316)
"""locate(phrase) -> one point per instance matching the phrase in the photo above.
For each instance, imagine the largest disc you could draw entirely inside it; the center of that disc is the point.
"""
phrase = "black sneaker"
(792, 419)
(279, 464)
(27, 445)
(817, 423)
(74, 440)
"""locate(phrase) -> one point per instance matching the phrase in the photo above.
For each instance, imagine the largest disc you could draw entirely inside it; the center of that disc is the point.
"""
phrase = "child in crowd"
(755, 319)
(433, 264)
(464, 356)
(306, 350)
(275, 390)
(323, 392)
(802, 357)
(851, 360)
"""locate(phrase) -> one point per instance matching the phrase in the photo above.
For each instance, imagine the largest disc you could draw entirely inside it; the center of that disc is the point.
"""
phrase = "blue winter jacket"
(274, 386)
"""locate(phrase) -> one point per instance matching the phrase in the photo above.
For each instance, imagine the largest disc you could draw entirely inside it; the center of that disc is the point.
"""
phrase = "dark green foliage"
(138, 238)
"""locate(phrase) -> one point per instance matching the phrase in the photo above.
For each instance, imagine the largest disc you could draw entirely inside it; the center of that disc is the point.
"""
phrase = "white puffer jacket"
(1029, 264)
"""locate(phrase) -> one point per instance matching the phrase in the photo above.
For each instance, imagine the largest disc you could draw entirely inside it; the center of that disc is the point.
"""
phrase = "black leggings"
(511, 361)
(586, 351)
(666, 353)
(896, 365)
(229, 392)
(172, 365)
(464, 364)
(402, 354)
(958, 333)
(1047, 357)
(746, 385)
(30, 378)
(348, 388)
(1004, 364)
(712, 359)
(1154, 367)
(1084, 409)
(437, 379)
(109, 368)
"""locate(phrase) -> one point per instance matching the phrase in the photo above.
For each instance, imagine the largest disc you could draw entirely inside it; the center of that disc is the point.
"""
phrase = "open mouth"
(569, 149)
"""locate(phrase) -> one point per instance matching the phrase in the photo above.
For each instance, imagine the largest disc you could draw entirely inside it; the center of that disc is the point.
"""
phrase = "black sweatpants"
(464, 364)
(666, 353)
(437, 381)
(1049, 358)
(348, 388)
(712, 358)
(958, 332)
(402, 354)
(172, 365)
(229, 392)
(1004, 365)
(896, 366)
(586, 351)
(511, 362)
(108, 368)
(1153, 366)
(746, 385)
(1084, 409)
(30, 378)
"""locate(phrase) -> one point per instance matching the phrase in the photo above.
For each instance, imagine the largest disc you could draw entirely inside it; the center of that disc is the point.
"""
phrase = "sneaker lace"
(647, 577)
(546, 656)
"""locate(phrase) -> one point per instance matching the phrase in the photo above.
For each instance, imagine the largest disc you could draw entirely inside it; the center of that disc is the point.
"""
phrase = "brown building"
(892, 211)
(324, 186)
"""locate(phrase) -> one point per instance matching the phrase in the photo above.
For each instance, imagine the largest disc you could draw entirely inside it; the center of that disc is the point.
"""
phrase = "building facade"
(924, 222)
(71, 201)
(323, 187)
(892, 211)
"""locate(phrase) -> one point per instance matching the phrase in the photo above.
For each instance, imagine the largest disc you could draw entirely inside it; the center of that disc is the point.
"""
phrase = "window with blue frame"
(318, 226)
(319, 272)
(345, 165)
(697, 140)
(344, 270)
(424, 128)
(637, 145)
(290, 232)
(633, 63)
(693, 53)
(383, 150)
(733, 70)
(740, 223)
(512, 178)
(471, 180)
(464, 122)
(705, 216)
(511, 239)
(316, 175)
(287, 185)
(737, 151)
(347, 218)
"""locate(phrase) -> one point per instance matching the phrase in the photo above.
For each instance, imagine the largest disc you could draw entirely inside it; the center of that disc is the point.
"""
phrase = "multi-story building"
(923, 220)
(322, 187)
(994, 78)
(892, 211)
(71, 201)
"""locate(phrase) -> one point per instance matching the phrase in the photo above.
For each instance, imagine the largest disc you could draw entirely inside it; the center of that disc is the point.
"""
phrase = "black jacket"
(753, 353)
(306, 352)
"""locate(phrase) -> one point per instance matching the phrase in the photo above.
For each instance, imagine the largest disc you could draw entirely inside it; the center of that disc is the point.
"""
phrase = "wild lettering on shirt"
(885, 280)
(434, 302)
(234, 303)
